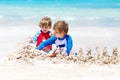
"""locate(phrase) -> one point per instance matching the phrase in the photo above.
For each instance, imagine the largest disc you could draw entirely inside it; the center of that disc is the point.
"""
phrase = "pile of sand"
(28, 54)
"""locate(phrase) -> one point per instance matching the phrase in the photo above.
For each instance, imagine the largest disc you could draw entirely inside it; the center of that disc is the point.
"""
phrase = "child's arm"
(69, 44)
(34, 38)
(49, 41)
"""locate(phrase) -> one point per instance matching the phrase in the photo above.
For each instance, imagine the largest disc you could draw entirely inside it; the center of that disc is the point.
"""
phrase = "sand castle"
(26, 53)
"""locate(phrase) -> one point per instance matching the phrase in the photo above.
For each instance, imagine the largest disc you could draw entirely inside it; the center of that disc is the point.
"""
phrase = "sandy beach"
(94, 26)
(45, 70)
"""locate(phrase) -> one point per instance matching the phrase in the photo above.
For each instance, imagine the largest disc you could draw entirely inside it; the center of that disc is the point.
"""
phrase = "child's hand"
(29, 39)
(54, 53)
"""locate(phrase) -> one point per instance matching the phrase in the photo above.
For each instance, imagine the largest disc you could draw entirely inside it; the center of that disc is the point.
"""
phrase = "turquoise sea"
(76, 12)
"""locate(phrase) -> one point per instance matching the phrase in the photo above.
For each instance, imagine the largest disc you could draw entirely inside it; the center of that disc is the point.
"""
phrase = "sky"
(64, 3)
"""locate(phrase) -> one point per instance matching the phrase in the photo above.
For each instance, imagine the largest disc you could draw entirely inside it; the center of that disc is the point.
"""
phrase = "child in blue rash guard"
(60, 38)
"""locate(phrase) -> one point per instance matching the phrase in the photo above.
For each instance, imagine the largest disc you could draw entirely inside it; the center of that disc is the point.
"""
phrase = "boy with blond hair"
(43, 34)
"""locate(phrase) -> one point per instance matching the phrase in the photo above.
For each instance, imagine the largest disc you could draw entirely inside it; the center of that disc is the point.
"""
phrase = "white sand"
(44, 70)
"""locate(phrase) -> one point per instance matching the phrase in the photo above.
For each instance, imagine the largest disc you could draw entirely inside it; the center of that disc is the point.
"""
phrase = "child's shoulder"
(38, 31)
(68, 36)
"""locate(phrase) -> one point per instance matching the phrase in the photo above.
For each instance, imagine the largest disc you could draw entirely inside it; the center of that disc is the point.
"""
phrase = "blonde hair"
(61, 26)
(46, 21)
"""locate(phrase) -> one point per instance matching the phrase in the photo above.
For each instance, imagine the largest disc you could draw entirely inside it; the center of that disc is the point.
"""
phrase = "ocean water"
(11, 16)
(81, 13)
